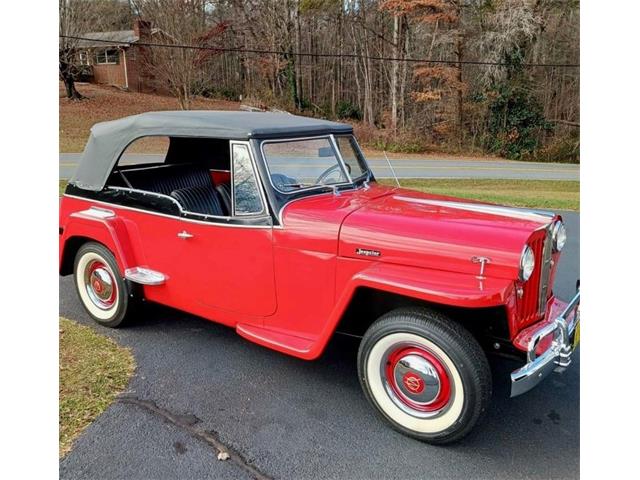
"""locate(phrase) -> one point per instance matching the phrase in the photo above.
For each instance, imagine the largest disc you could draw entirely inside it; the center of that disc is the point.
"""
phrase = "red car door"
(228, 264)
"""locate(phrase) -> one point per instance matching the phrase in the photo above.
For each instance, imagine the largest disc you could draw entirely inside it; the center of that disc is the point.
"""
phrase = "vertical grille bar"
(535, 291)
(545, 273)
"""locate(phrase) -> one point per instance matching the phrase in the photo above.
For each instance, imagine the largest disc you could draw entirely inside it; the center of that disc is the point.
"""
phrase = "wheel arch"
(482, 306)
(109, 232)
(489, 325)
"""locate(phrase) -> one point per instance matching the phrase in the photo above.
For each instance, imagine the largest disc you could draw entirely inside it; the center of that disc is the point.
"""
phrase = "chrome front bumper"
(566, 333)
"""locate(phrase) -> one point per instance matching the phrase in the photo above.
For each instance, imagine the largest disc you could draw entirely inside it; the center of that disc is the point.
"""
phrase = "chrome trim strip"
(183, 219)
(255, 174)
(96, 212)
(556, 358)
(343, 165)
(513, 212)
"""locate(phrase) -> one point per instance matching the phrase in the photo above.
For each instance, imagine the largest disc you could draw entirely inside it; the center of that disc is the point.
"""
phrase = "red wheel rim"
(418, 379)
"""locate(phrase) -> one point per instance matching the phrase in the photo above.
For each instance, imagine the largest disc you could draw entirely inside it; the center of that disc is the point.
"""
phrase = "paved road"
(429, 168)
(198, 383)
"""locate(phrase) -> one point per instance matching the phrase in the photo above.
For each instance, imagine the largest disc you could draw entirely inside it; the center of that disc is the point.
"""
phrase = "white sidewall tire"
(437, 423)
(84, 261)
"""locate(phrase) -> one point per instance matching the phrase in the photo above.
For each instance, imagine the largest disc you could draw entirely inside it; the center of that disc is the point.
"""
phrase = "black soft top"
(108, 139)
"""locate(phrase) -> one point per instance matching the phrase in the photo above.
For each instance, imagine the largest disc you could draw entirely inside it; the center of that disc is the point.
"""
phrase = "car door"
(228, 262)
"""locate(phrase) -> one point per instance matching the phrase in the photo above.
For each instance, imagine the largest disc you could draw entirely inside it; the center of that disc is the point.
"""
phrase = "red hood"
(407, 227)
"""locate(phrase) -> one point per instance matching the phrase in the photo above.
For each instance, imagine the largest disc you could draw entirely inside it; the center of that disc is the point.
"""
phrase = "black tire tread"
(423, 318)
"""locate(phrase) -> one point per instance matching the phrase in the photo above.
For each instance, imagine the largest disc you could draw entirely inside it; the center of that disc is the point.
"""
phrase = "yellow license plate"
(576, 335)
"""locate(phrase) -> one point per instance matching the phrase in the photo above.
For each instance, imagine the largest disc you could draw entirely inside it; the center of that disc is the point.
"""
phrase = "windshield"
(299, 164)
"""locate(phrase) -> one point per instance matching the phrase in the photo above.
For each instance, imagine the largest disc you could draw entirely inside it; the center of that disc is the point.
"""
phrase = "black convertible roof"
(109, 139)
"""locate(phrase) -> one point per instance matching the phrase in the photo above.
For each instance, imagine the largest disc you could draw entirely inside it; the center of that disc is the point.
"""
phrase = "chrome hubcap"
(416, 380)
(100, 285)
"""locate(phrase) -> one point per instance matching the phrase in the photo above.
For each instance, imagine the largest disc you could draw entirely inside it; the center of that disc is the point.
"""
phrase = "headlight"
(527, 263)
(559, 236)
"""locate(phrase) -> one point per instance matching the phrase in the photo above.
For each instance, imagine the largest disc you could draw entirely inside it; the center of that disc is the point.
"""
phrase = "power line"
(322, 55)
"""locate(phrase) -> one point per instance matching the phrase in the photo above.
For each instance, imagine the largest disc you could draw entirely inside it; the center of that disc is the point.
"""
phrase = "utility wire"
(323, 55)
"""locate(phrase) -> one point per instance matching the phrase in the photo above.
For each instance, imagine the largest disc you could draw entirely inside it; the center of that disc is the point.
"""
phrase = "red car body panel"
(301, 275)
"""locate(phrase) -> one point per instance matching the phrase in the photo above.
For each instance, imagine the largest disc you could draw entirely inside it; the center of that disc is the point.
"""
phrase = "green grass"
(93, 371)
(545, 194)
(62, 184)
(553, 194)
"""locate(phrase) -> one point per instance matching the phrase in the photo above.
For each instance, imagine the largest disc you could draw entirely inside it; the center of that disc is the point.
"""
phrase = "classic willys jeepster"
(274, 225)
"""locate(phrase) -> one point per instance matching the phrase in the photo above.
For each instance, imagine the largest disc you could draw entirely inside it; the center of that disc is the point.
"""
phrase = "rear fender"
(101, 226)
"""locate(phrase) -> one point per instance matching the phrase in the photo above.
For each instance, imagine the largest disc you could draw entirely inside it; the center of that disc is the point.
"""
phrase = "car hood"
(444, 233)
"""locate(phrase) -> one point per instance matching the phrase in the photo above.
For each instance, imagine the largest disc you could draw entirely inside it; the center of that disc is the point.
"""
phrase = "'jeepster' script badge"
(367, 253)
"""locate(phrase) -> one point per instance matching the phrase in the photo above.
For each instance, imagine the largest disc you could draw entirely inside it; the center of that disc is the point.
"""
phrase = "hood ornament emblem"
(483, 261)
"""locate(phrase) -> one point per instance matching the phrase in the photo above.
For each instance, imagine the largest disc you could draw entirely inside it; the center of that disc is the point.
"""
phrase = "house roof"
(108, 139)
(110, 39)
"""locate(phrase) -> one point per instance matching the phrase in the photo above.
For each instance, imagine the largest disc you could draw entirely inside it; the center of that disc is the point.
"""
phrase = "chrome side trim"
(556, 358)
(182, 219)
(513, 212)
(96, 212)
(144, 276)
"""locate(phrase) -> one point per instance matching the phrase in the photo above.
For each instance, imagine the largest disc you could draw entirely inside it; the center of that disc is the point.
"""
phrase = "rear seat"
(190, 185)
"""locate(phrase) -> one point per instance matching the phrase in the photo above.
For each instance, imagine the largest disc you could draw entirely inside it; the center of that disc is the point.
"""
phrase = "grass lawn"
(551, 194)
(544, 194)
(93, 371)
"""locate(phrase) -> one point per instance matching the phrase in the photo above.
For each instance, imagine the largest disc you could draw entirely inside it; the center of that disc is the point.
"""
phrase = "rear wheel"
(100, 286)
(426, 375)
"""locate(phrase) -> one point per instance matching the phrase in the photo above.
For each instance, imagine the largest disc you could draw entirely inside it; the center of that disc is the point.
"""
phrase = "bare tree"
(179, 22)
(77, 17)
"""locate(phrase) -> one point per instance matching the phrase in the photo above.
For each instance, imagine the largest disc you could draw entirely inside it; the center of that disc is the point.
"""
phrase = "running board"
(144, 276)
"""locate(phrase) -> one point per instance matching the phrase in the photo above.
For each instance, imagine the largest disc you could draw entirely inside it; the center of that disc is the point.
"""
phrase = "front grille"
(536, 290)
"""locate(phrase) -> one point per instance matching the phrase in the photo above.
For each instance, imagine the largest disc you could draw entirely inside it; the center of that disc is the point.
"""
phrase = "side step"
(144, 276)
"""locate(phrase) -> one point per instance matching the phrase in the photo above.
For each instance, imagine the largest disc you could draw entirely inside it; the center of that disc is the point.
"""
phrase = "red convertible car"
(274, 225)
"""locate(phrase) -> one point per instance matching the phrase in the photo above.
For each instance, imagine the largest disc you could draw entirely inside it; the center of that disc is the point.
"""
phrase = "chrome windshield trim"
(299, 139)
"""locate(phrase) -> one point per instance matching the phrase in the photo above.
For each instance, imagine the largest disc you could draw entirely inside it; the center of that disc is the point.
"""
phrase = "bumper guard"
(565, 330)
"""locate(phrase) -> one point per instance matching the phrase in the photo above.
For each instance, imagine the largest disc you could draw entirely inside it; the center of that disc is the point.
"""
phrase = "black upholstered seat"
(199, 200)
(166, 179)
(224, 191)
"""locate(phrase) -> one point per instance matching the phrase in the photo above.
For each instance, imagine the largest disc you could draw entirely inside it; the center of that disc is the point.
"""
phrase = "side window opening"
(192, 173)
(246, 192)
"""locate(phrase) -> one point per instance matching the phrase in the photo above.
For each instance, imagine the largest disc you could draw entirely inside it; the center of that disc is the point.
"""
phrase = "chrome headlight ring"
(527, 263)
(558, 236)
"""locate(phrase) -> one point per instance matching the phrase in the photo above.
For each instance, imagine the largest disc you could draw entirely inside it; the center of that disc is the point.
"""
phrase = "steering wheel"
(328, 172)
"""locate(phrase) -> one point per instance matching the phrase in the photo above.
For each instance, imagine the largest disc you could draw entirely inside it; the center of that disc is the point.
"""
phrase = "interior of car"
(195, 172)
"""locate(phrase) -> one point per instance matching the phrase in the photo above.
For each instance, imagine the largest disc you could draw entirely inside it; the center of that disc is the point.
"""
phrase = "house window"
(108, 56)
(84, 58)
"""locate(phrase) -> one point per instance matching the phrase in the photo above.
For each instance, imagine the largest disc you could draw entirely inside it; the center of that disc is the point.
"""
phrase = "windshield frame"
(336, 152)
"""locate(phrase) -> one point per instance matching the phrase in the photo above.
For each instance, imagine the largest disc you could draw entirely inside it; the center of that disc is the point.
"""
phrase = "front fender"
(109, 230)
(434, 286)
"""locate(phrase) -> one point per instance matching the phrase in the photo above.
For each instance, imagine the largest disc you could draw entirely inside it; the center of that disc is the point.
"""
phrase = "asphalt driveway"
(199, 385)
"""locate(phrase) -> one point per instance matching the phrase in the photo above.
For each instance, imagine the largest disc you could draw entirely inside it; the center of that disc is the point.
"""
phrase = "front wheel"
(426, 375)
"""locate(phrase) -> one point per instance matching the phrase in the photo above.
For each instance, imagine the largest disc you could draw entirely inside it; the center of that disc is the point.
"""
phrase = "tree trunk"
(70, 88)
(393, 94)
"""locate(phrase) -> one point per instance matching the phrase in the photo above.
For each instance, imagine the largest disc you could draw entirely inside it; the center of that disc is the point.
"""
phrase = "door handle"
(184, 235)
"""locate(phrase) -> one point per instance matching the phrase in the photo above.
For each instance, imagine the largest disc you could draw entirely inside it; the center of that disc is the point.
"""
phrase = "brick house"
(121, 63)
